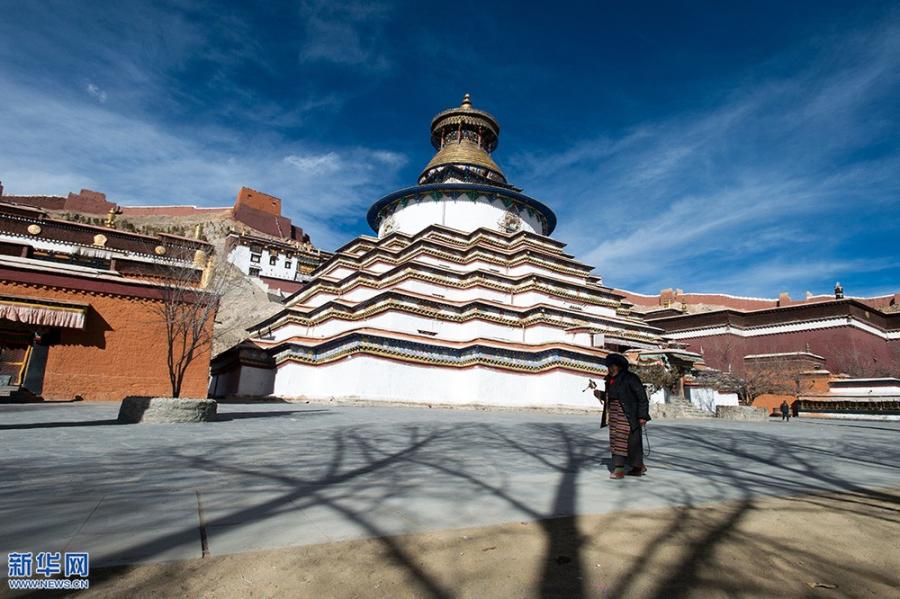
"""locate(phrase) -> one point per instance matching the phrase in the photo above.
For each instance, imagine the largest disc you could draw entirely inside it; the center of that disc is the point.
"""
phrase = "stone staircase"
(678, 408)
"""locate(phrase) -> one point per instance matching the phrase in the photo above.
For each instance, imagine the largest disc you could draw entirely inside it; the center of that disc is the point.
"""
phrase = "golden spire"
(464, 138)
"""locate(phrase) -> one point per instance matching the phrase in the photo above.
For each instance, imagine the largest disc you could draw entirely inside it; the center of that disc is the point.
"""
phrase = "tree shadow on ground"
(62, 424)
(226, 416)
(370, 468)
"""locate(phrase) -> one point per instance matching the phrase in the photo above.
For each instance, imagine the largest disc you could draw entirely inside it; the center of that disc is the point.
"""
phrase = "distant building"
(854, 335)
(282, 266)
(856, 398)
(79, 308)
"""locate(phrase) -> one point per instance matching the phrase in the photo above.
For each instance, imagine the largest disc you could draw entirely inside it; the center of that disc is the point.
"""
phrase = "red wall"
(844, 349)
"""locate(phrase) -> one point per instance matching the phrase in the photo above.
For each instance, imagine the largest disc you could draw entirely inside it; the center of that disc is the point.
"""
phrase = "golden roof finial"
(467, 101)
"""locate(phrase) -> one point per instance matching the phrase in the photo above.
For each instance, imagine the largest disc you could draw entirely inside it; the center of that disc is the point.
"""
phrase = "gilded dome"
(464, 152)
(464, 138)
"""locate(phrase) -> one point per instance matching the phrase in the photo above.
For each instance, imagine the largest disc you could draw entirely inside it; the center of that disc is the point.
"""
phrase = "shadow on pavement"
(32, 425)
(269, 414)
(366, 467)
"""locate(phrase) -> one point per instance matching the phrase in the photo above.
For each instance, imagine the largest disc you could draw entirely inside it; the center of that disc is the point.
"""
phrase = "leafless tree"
(723, 354)
(775, 376)
(853, 361)
(658, 376)
(189, 302)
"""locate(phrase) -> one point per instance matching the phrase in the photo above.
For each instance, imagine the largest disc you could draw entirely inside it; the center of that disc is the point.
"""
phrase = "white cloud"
(345, 33)
(777, 170)
(63, 146)
(315, 163)
(96, 92)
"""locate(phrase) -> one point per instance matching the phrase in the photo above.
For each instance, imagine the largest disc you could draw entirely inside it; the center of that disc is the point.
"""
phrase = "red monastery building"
(857, 336)
(79, 308)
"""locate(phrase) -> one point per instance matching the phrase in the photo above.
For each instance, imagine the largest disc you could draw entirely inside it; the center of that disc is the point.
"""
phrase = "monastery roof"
(780, 314)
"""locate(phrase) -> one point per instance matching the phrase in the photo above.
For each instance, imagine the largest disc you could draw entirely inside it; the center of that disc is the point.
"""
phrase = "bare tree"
(853, 361)
(189, 301)
(658, 376)
(723, 354)
(773, 376)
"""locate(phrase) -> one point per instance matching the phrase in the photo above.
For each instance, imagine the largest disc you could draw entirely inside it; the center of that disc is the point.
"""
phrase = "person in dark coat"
(785, 411)
(628, 410)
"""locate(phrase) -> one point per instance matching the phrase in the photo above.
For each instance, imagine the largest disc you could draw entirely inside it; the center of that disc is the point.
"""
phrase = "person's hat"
(617, 359)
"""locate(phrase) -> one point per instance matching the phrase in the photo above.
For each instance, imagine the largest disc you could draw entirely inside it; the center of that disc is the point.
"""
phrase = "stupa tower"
(463, 298)
(462, 187)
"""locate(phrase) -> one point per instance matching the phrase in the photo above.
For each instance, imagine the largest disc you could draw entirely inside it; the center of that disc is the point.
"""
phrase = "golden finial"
(467, 101)
(111, 217)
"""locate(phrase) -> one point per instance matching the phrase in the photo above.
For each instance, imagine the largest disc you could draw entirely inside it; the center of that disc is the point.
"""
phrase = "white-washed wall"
(462, 214)
(240, 256)
(413, 324)
(707, 398)
(372, 378)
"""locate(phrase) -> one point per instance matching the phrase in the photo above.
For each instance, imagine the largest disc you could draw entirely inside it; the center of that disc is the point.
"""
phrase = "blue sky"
(748, 148)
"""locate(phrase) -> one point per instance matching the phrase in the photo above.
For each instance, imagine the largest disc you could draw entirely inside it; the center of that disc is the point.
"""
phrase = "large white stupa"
(462, 298)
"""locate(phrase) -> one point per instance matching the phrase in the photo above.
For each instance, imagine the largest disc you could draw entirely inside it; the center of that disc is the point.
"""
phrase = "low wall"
(747, 413)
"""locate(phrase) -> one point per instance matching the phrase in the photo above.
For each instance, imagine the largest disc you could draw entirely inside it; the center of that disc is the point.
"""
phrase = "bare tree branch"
(190, 299)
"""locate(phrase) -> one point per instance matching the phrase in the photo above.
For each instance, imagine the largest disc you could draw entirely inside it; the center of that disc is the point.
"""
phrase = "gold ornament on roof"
(200, 259)
(111, 217)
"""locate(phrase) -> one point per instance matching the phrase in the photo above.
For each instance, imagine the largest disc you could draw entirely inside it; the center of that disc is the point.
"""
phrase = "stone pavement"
(275, 475)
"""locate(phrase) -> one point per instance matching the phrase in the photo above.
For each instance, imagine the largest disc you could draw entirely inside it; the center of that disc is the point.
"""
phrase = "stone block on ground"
(742, 413)
(677, 409)
(159, 410)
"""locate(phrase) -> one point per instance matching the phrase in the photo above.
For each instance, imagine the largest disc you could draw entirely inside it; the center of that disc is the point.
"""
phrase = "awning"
(43, 312)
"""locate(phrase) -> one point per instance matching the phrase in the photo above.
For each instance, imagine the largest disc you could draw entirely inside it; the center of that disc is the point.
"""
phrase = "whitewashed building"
(279, 266)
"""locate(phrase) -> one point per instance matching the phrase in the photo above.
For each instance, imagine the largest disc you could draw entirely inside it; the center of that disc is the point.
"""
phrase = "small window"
(273, 260)
(254, 258)
(254, 272)
(287, 264)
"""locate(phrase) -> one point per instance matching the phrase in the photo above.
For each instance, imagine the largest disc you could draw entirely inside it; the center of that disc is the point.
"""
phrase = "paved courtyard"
(276, 475)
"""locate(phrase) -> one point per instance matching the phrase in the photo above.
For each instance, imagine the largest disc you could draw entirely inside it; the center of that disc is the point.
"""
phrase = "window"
(254, 258)
(273, 260)
(287, 264)
(254, 272)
